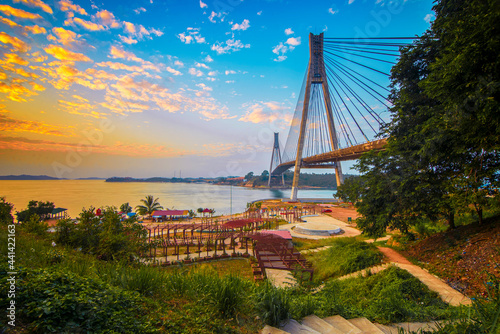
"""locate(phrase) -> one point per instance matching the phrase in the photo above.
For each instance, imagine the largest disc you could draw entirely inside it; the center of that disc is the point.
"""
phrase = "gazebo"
(58, 213)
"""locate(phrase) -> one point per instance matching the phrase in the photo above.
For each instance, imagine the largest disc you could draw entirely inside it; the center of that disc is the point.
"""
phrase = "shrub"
(35, 225)
(6, 217)
(54, 301)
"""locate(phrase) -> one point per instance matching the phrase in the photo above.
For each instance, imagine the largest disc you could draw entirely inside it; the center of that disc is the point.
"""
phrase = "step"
(320, 325)
(295, 327)
(366, 326)
(343, 325)
(388, 329)
(272, 330)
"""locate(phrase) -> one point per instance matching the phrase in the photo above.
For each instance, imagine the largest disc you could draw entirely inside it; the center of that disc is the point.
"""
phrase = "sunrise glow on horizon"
(153, 88)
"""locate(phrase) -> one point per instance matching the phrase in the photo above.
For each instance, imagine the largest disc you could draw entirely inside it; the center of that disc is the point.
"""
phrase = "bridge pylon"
(316, 75)
(275, 161)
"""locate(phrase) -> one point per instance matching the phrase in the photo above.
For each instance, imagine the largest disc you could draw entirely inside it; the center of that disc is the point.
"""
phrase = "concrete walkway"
(322, 219)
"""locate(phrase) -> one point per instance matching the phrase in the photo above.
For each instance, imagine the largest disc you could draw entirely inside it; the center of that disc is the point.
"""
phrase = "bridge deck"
(344, 154)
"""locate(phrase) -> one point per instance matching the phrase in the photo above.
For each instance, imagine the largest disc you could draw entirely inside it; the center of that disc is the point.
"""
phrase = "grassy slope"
(464, 257)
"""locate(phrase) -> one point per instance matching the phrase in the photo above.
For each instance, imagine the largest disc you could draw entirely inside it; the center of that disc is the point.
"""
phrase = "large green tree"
(442, 155)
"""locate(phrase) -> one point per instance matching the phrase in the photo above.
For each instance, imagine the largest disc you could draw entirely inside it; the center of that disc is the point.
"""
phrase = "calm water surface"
(77, 194)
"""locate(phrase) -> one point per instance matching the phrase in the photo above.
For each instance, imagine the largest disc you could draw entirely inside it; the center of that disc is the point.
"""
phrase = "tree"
(39, 208)
(351, 189)
(6, 217)
(200, 211)
(249, 176)
(150, 204)
(125, 208)
(442, 154)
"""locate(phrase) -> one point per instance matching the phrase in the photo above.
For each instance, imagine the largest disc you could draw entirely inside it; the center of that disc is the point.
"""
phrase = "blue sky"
(149, 88)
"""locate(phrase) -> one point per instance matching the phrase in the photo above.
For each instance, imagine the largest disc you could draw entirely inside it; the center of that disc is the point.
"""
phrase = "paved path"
(446, 292)
(322, 219)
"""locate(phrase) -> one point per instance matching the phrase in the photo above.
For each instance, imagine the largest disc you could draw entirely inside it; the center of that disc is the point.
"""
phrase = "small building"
(162, 215)
(58, 213)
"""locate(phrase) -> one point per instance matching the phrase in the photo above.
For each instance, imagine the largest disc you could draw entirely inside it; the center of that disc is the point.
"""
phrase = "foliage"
(56, 301)
(6, 217)
(35, 225)
(106, 236)
(125, 208)
(351, 189)
(150, 204)
(392, 295)
(273, 304)
(442, 155)
(42, 209)
(345, 256)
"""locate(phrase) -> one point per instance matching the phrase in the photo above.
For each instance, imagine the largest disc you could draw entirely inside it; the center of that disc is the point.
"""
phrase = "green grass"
(345, 256)
(390, 296)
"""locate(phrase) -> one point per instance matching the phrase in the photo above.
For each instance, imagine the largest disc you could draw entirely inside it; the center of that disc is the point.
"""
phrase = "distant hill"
(28, 177)
(91, 178)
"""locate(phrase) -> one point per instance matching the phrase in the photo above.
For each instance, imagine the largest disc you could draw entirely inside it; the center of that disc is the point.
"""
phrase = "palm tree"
(125, 208)
(150, 205)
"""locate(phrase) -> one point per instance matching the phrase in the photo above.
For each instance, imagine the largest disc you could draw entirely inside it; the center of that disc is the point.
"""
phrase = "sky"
(165, 88)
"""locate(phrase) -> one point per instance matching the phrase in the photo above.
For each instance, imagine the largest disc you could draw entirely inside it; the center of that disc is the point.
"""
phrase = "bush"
(55, 301)
(35, 225)
(6, 217)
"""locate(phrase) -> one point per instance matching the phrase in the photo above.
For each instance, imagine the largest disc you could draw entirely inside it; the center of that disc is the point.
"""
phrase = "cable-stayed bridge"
(342, 105)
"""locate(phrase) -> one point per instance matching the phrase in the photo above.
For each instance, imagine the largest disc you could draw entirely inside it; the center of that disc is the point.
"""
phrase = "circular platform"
(317, 228)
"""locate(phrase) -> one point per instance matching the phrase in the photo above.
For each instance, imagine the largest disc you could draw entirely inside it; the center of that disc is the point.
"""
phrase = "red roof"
(206, 210)
(170, 213)
(281, 233)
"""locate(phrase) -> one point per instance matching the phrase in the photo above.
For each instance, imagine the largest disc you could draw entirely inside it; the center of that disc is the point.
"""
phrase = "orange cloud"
(35, 29)
(266, 112)
(15, 90)
(107, 18)
(120, 53)
(36, 3)
(15, 59)
(8, 22)
(17, 125)
(14, 41)
(68, 6)
(63, 36)
(91, 26)
(65, 55)
(22, 14)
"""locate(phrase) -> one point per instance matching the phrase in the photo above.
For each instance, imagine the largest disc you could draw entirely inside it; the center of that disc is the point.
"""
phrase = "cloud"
(266, 112)
(231, 45)
(202, 65)
(10, 11)
(17, 125)
(65, 55)
(203, 5)
(36, 3)
(119, 53)
(68, 6)
(191, 36)
(140, 10)
(15, 90)
(289, 31)
(259, 13)
(230, 72)
(195, 72)
(107, 19)
(14, 41)
(243, 26)
(127, 40)
(63, 36)
(88, 25)
(208, 59)
(214, 16)
(293, 41)
(429, 18)
(173, 71)
(35, 29)
(350, 2)
(213, 73)
(15, 59)
(178, 63)
(332, 11)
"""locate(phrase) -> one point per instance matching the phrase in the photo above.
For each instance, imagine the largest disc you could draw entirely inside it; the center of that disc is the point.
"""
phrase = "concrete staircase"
(339, 325)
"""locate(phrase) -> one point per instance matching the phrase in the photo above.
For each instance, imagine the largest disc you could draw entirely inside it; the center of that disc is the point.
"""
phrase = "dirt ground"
(464, 257)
